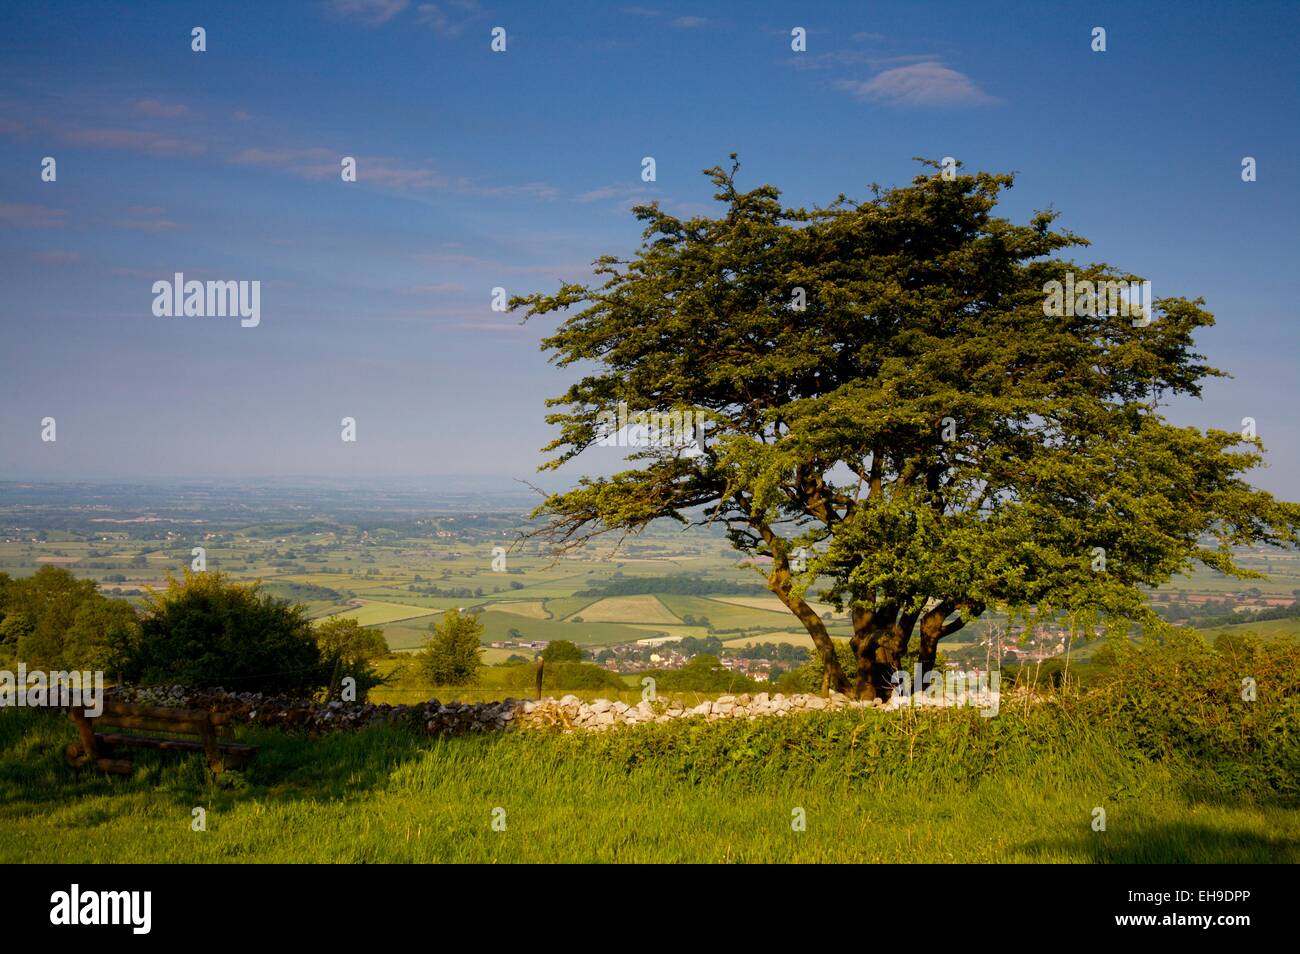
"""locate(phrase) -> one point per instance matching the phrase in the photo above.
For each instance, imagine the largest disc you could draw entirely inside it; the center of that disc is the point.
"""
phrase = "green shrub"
(348, 650)
(807, 677)
(563, 675)
(52, 620)
(561, 650)
(1235, 711)
(206, 631)
(453, 655)
(702, 674)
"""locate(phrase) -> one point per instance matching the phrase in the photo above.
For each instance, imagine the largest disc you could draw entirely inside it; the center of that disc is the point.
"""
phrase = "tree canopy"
(453, 656)
(348, 650)
(208, 630)
(894, 406)
(562, 650)
(52, 620)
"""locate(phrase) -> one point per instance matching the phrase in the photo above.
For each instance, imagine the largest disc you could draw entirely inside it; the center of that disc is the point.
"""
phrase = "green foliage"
(702, 674)
(681, 585)
(99, 625)
(694, 646)
(783, 652)
(1234, 708)
(452, 656)
(206, 630)
(563, 676)
(561, 650)
(348, 649)
(1017, 787)
(881, 385)
(809, 676)
(52, 620)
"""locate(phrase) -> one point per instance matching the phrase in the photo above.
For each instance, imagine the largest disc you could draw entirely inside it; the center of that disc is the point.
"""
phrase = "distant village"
(673, 652)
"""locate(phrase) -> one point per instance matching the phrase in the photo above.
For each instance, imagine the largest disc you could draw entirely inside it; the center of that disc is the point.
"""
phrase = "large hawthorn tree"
(886, 393)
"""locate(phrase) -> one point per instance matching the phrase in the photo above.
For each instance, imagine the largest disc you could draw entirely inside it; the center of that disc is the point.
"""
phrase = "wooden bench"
(101, 748)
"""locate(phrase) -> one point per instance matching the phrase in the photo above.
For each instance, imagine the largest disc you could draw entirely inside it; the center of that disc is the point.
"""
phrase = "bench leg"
(86, 752)
(210, 747)
(75, 755)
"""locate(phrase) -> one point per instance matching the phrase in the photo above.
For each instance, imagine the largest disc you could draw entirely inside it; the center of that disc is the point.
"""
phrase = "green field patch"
(321, 609)
(1011, 789)
(408, 635)
(628, 609)
(788, 638)
(651, 631)
(374, 613)
(390, 595)
(773, 605)
(726, 615)
(333, 580)
(566, 606)
(532, 609)
(497, 626)
(1269, 630)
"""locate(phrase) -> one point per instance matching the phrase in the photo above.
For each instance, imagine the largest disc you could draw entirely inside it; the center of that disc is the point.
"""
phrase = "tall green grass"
(1184, 768)
(871, 786)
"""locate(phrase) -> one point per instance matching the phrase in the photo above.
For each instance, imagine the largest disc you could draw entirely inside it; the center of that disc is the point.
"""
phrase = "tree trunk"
(833, 677)
(932, 630)
(880, 638)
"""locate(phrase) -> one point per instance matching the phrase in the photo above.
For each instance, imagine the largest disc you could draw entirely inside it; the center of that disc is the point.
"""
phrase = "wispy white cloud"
(31, 215)
(480, 263)
(111, 137)
(614, 192)
(537, 190)
(316, 162)
(158, 109)
(689, 23)
(391, 174)
(445, 288)
(920, 84)
(835, 59)
(133, 140)
(56, 256)
(320, 163)
(450, 17)
(371, 12)
(145, 218)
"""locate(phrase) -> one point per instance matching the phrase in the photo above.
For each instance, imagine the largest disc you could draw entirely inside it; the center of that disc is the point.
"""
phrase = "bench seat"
(101, 748)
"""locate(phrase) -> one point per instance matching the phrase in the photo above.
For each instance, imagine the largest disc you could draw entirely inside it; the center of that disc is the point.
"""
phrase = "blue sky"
(479, 169)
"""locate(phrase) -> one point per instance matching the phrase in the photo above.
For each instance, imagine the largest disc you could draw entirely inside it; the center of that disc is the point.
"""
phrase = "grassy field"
(628, 609)
(1186, 766)
(1270, 630)
(536, 598)
(871, 787)
(376, 612)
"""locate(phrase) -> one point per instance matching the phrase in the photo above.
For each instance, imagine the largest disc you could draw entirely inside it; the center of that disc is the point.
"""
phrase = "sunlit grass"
(871, 787)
